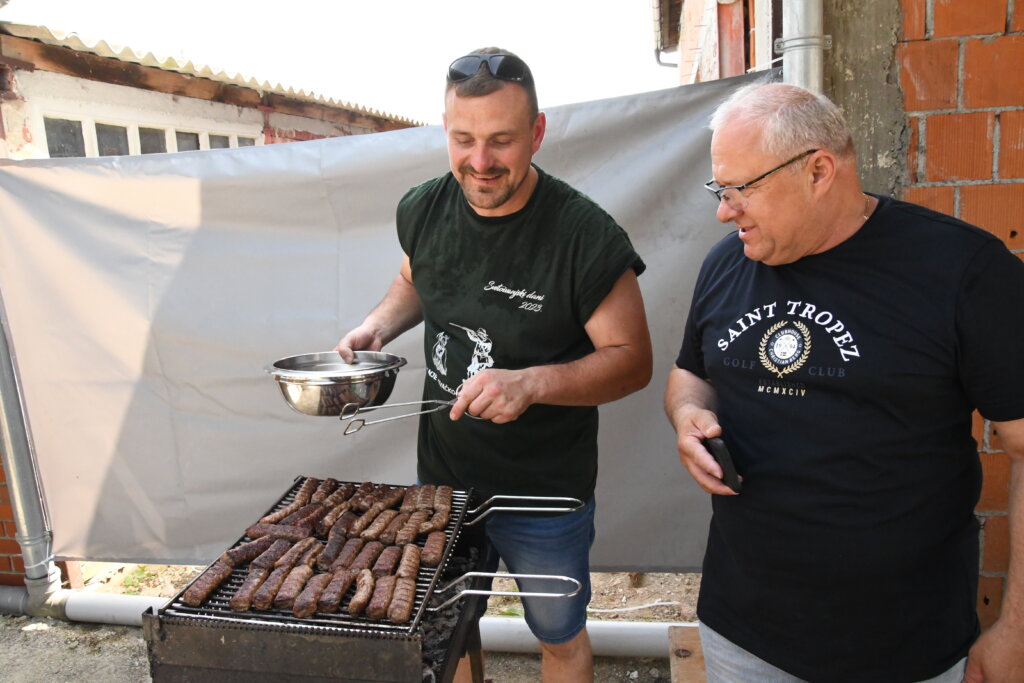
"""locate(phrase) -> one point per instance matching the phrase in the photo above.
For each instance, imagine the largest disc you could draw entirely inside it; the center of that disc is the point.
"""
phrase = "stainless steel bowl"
(322, 384)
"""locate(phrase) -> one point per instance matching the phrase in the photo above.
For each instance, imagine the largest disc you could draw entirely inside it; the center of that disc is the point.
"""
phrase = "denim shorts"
(548, 544)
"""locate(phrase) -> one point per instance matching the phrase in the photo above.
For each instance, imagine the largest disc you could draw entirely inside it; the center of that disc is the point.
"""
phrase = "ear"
(540, 125)
(823, 166)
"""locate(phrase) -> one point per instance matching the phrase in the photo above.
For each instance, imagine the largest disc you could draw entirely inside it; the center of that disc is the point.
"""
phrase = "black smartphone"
(716, 447)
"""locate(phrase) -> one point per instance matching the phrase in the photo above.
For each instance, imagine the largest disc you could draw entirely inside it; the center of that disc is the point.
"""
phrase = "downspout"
(802, 44)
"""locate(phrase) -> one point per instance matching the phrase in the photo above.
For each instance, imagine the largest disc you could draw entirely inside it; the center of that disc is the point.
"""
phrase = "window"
(64, 138)
(246, 142)
(219, 141)
(152, 140)
(187, 142)
(111, 141)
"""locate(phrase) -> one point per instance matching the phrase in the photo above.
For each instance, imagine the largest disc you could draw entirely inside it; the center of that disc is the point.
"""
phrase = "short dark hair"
(484, 83)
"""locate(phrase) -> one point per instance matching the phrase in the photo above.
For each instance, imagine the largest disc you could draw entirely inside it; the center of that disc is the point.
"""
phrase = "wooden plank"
(685, 656)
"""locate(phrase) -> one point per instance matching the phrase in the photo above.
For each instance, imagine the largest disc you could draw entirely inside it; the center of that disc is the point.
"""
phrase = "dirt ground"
(37, 650)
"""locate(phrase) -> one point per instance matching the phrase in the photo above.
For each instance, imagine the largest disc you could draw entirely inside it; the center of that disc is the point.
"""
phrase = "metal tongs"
(516, 594)
(350, 410)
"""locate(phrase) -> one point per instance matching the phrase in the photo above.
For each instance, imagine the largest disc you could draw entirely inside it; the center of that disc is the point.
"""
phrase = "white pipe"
(80, 605)
(607, 638)
(803, 44)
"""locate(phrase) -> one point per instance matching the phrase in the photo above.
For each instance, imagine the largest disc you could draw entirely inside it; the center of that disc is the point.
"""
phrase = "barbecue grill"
(212, 642)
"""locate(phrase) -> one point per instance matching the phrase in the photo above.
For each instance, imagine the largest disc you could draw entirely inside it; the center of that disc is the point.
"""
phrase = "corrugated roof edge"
(122, 53)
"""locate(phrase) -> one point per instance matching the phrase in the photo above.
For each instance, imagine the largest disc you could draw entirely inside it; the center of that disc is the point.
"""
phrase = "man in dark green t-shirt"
(532, 317)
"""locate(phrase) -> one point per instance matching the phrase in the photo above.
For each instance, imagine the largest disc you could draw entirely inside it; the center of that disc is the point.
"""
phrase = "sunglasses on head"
(502, 66)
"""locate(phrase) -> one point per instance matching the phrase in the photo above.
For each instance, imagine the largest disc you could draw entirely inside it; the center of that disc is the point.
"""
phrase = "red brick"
(18, 564)
(5, 495)
(992, 73)
(5, 564)
(937, 198)
(995, 556)
(12, 580)
(913, 19)
(995, 484)
(1011, 143)
(928, 74)
(969, 17)
(6, 512)
(959, 146)
(977, 427)
(1017, 20)
(996, 208)
(10, 530)
(9, 546)
(990, 599)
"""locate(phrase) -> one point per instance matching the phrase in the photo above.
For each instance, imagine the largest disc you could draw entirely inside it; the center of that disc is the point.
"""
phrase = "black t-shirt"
(509, 292)
(846, 382)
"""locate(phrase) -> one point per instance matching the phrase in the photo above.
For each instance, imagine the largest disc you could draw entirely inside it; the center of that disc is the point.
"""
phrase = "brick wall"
(961, 67)
(12, 568)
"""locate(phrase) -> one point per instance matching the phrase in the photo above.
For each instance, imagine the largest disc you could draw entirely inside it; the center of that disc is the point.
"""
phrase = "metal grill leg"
(474, 649)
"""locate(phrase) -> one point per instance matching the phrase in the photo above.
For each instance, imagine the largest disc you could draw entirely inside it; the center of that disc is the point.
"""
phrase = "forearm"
(1013, 595)
(686, 394)
(605, 375)
(397, 312)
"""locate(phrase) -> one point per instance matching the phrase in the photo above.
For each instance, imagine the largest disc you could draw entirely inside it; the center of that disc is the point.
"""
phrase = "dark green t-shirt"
(509, 292)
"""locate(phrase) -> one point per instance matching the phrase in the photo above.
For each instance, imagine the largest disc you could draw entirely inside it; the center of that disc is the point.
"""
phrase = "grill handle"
(476, 591)
(488, 506)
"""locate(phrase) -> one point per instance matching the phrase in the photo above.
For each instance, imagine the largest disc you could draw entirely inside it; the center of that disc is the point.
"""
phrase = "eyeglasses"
(733, 194)
(502, 66)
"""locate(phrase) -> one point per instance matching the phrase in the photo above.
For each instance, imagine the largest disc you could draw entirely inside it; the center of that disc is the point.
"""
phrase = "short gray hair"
(793, 119)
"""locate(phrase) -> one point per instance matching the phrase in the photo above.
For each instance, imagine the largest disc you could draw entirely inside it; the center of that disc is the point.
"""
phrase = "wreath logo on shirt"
(785, 347)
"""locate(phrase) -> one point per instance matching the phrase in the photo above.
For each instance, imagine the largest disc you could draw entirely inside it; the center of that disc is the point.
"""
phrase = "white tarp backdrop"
(147, 294)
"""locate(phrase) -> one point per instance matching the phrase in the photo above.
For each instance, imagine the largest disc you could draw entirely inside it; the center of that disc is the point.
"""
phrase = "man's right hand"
(362, 338)
(689, 403)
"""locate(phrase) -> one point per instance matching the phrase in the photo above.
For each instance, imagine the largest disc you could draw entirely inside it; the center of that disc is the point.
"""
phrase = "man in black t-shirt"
(532, 317)
(838, 343)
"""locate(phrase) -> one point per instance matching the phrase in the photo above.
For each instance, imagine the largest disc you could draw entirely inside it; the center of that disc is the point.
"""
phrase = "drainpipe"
(42, 578)
(802, 44)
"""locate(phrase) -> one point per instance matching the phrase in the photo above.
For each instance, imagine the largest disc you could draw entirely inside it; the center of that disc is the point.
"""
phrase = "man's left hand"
(497, 395)
(997, 656)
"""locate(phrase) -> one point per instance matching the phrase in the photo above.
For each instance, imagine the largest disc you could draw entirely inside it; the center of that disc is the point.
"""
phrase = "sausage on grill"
(242, 599)
(409, 565)
(408, 533)
(246, 552)
(302, 497)
(443, 498)
(412, 494)
(290, 558)
(433, 549)
(402, 601)
(335, 590)
(340, 495)
(292, 586)
(324, 526)
(387, 537)
(387, 561)
(309, 557)
(362, 522)
(335, 540)
(299, 514)
(271, 554)
(383, 590)
(306, 603)
(206, 583)
(265, 594)
(364, 591)
(368, 555)
(323, 490)
(438, 521)
(286, 531)
(348, 554)
(373, 532)
(426, 497)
